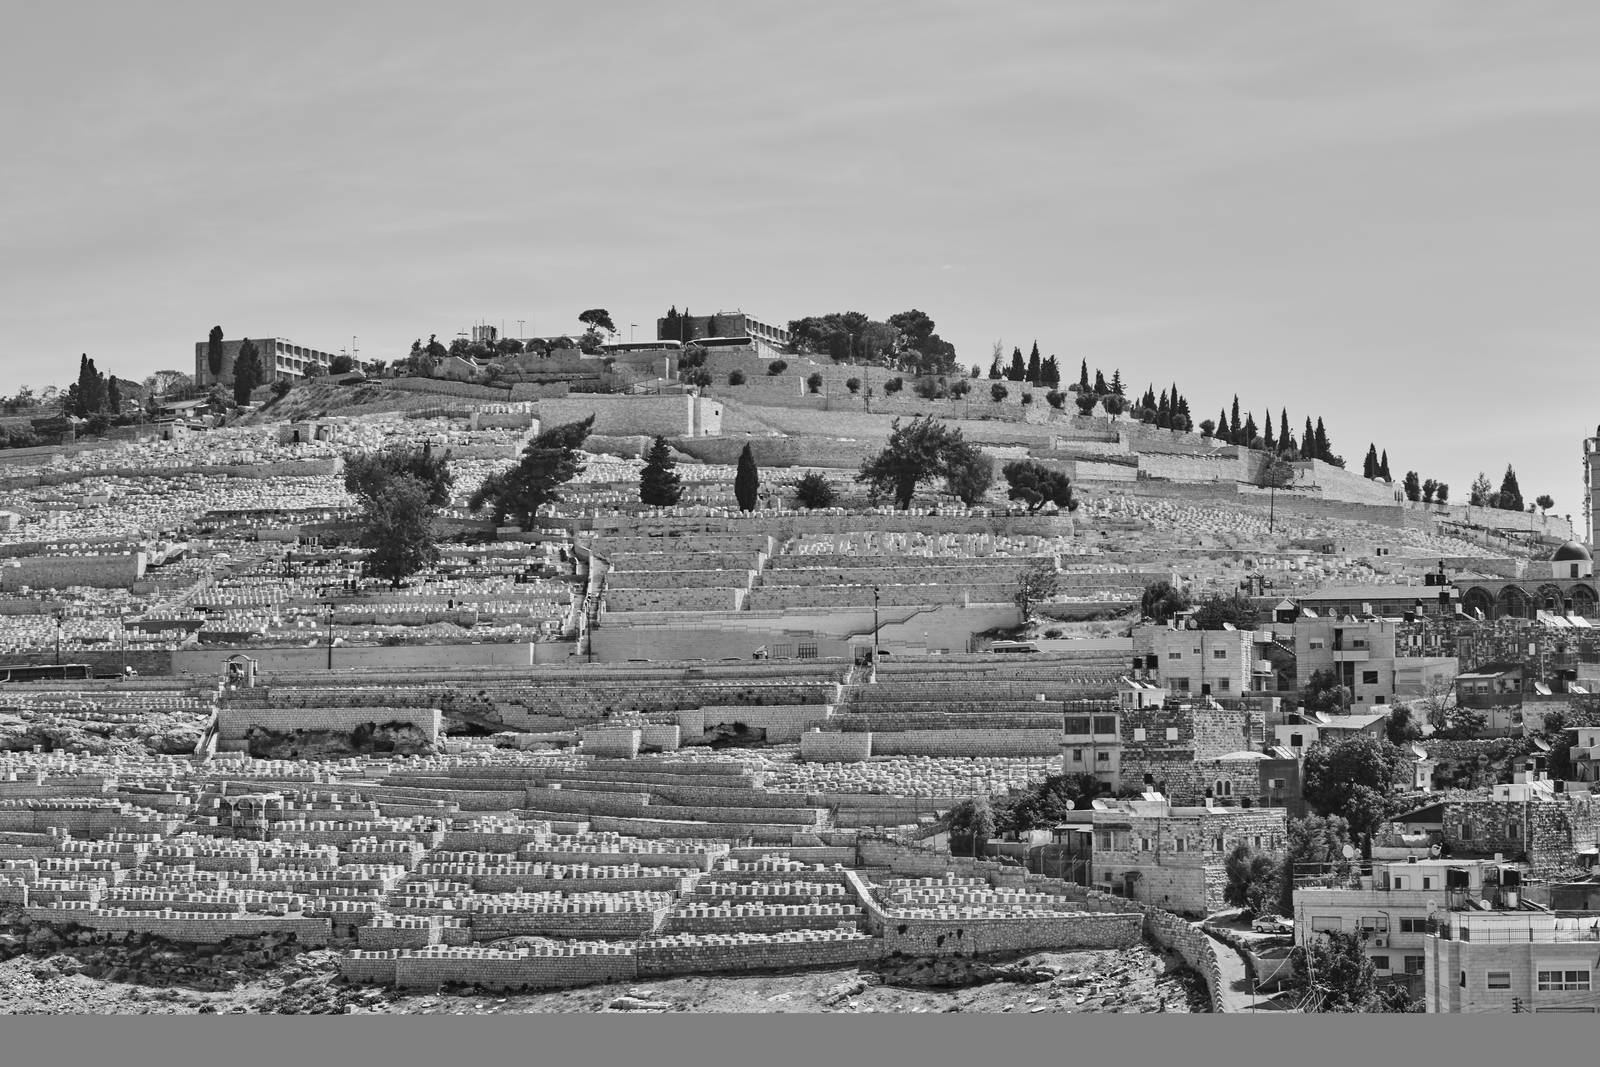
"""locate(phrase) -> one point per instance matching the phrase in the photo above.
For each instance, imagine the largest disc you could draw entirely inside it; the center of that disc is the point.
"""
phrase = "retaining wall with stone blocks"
(427, 969)
(202, 928)
(710, 954)
(824, 747)
(973, 743)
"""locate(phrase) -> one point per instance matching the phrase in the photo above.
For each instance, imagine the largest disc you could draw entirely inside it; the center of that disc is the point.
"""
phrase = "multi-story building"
(1531, 820)
(1092, 744)
(1220, 663)
(280, 358)
(1367, 658)
(723, 324)
(1513, 961)
(1389, 904)
(1158, 853)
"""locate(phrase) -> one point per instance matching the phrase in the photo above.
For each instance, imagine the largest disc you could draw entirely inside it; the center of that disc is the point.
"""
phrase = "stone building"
(1220, 663)
(1562, 585)
(1540, 962)
(1533, 821)
(1158, 853)
(1369, 658)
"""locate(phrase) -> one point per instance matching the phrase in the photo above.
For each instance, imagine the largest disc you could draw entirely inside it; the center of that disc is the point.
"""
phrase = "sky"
(1383, 214)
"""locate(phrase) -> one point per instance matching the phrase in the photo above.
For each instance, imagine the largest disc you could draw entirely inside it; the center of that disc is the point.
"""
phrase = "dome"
(1571, 551)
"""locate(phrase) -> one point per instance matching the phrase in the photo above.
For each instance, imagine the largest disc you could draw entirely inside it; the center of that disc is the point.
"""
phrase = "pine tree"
(1383, 467)
(1018, 370)
(1034, 364)
(995, 373)
(1083, 377)
(1369, 466)
(1510, 492)
(1324, 450)
(1100, 386)
(1266, 434)
(1116, 381)
(747, 481)
(1050, 374)
(659, 484)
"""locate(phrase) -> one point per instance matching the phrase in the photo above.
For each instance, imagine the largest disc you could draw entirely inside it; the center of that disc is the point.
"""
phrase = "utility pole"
(61, 615)
(329, 606)
(874, 631)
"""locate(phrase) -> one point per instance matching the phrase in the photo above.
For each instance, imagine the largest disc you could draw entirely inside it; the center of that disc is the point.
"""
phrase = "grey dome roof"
(1571, 551)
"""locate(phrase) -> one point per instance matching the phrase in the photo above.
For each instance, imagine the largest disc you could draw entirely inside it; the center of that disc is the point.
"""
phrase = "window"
(1219, 653)
(1077, 755)
(1105, 724)
(1180, 685)
(1380, 963)
(1175, 655)
(1102, 757)
(1179, 844)
(1172, 733)
(1563, 981)
(1317, 643)
(1144, 844)
(1323, 923)
(1399, 882)
(1255, 842)
(1222, 686)
(1138, 733)
(1513, 830)
(1499, 979)
(1197, 651)
(1415, 964)
(1077, 724)
(1369, 677)
(806, 652)
(1297, 741)
(1427, 883)
(1102, 841)
(1466, 831)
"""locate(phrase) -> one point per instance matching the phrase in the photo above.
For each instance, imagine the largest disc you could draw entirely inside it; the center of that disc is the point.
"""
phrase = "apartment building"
(1512, 962)
(1367, 658)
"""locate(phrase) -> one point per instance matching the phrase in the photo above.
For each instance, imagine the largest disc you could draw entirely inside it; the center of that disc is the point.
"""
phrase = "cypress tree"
(1308, 443)
(995, 373)
(214, 351)
(1050, 373)
(1116, 381)
(659, 484)
(113, 397)
(1034, 364)
(1324, 450)
(1234, 437)
(1164, 412)
(1083, 377)
(1100, 386)
(1266, 434)
(1223, 433)
(1019, 370)
(1510, 492)
(1383, 467)
(747, 482)
(1369, 466)
(1248, 434)
(247, 372)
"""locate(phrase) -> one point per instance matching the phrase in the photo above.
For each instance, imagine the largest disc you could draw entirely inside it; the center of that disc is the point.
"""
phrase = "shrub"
(998, 392)
(960, 388)
(1056, 399)
(893, 385)
(814, 491)
(814, 383)
(736, 377)
(853, 384)
(699, 376)
(1027, 398)
(928, 389)
(1086, 402)
(776, 367)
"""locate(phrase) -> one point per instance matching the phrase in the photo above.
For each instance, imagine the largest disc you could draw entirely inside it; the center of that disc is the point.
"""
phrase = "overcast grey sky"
(1381, 213)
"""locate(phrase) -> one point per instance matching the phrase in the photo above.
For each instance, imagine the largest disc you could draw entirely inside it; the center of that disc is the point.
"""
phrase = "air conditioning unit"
(1381, 941)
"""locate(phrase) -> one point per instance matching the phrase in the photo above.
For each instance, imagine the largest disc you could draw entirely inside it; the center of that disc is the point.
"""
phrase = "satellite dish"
(1541, 744)
(1100, 805)
(1418, 751)
(1434, 850)
(1349, 852)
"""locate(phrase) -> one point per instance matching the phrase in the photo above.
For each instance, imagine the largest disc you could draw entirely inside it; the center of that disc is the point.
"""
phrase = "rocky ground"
(56, 975)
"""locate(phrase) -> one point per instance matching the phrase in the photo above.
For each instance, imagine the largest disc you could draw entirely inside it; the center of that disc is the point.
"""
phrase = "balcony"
(1541, 928)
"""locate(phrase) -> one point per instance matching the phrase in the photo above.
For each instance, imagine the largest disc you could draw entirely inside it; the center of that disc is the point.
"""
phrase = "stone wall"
(59, 572)
(822, 747)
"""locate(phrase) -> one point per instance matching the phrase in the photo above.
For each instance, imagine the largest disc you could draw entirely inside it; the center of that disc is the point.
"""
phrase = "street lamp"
(60, 616)
(329, 605)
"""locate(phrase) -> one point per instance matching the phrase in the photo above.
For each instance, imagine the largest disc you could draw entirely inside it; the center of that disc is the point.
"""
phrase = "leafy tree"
(776, 367)
(367, 476)
(960, 388)
(1208, 428)
(280, 388)
(341, 364)
(1254, 879)
(1480, 492)
(1027, 398)
(736, 377)
(1510, 492)
(214, 351)
(996, 371)
(598, 319)
(998, 392)
(173, 383)
(1355, 778)
(1401, 727)
(968, 473)
(659, 484)
(925, 351)
(1340, 977)
(1161, 601)
(814, 382)
(929, 389)
(1114, 404)
(746, 481)
(1038, 582)
(1018, 371)
(1428, 488)
(1314, 845)
(1545, 502)
(1323, 692)
(853, 384)
(1413, 486)
(1235, 608)
(1441, 495)
(1036, 485)
(1034, 365)
(916, 454)
(1086, 402)
(814, 491)
(398, 529)
(893, 386)
(548, 462)
(247, 371)
(1057, 399)
(698, 377)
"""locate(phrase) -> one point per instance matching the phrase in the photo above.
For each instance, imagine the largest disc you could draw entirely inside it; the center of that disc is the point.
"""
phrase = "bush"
(814, 383)
(776, 367)
(280, 388)
(1086, 402)
(893, 385)
(814, 491)
(1056, 399)
(998, 392)
(736, 377)
(960, 388)
(699, 377)
(1027, 398)
(928, 389)
(854, 385)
